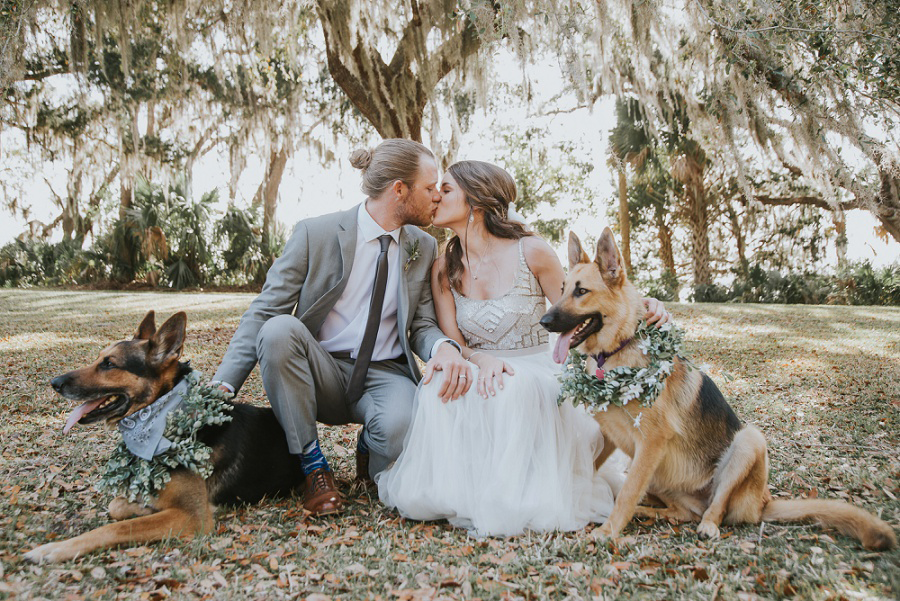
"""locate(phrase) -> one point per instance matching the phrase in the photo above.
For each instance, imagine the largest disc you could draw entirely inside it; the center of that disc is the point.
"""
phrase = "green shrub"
(664, 288)
(36, 262)
(862, 284)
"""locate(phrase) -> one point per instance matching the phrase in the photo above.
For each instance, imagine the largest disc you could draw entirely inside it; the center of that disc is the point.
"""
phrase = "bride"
(502, 458)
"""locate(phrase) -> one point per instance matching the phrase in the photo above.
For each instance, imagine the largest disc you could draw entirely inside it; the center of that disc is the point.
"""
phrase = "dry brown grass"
(823, 383)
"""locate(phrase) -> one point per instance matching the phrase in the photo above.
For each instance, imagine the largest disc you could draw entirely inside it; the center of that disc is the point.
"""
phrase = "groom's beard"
(409, 213)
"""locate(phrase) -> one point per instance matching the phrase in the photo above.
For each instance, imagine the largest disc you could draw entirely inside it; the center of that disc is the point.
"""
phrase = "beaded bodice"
(509, 322)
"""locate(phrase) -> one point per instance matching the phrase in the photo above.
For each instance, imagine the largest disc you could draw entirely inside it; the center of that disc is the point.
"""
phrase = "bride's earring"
(471, 217)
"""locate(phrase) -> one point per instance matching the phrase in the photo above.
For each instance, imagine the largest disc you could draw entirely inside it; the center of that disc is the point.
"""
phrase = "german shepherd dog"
(691, 451)
(250, 454)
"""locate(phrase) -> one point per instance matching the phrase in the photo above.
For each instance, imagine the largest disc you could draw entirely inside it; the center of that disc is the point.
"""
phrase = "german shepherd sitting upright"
(691, 451)
(250, 454)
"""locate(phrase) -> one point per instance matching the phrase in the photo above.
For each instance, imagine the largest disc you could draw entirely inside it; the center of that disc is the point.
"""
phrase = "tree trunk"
(71, 220)
(87, 224)
(887, 205)
(624, 222)
(666, 254)
(392, 97)
(125, 197)
(267, 193)
(698, 223)
(840, 243)
(737, 231)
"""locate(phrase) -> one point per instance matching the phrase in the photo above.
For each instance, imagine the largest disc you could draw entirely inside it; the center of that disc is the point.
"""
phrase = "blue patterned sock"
(361, 446)
(312, 458)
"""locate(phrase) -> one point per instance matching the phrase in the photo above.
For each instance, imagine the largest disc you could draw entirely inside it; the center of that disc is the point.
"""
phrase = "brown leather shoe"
(320, 496)
(362, 470)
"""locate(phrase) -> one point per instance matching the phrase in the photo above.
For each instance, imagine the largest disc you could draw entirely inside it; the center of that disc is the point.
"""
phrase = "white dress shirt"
(342, 330)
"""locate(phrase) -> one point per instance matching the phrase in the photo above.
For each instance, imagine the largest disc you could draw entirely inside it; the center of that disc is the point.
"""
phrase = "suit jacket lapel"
(346, 237)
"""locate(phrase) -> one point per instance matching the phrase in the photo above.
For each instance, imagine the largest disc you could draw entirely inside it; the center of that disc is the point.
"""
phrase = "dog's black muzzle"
(59, 382)
(555, 320)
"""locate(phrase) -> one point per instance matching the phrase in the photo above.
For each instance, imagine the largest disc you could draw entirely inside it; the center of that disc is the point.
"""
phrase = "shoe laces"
(319, 481)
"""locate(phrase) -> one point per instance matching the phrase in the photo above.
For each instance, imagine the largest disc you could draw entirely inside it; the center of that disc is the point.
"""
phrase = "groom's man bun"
(361, 158)
(394, 159)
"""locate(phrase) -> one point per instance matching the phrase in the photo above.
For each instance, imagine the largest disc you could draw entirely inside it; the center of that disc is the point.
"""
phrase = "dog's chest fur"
(694, 432)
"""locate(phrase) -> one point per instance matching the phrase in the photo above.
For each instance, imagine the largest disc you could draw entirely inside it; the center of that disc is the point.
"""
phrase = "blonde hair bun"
(361, 159)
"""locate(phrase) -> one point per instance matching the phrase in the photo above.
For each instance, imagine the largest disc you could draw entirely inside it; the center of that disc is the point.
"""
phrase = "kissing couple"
(480, 440)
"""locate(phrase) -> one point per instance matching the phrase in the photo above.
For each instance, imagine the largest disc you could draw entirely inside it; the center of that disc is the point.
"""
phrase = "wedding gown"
(511, 462)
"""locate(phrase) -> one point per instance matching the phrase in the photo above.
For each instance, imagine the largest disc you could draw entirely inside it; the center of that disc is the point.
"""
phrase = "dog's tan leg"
(608, 449)
(646, 459)
(678, 508)
(121, 508)
(739, 485)
(676, 513)
(184, 511)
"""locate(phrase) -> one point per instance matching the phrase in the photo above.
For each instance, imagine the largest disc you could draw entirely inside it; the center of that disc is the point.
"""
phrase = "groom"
(341, 314)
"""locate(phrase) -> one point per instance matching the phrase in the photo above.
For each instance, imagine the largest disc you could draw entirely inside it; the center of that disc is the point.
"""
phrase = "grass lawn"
(822, 383)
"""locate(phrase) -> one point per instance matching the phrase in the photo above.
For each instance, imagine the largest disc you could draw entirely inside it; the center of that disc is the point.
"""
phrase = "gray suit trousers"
(306, 384)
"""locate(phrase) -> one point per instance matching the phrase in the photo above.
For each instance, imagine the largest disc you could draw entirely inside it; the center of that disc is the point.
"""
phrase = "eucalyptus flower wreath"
(134, 478)
(621, 385)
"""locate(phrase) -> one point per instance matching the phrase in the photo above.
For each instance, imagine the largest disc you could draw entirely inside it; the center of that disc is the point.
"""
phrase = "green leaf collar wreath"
(134, 478)
(621, 385)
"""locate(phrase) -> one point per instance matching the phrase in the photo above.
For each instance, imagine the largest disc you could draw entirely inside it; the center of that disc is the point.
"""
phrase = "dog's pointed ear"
(609, 259)
(168, 342)
(576, 251)
(147, 328)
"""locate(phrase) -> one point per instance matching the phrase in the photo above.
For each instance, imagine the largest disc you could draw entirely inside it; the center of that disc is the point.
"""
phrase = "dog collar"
(601, 358)
(142, 432)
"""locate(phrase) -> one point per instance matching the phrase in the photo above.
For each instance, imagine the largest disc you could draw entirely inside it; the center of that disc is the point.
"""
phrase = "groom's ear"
(399, 188)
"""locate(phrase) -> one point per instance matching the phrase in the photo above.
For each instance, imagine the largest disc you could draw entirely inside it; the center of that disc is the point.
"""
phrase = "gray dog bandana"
(143, 431)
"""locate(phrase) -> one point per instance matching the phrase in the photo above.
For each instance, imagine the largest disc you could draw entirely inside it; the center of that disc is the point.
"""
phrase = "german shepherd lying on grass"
(691, 450)
(250, 456)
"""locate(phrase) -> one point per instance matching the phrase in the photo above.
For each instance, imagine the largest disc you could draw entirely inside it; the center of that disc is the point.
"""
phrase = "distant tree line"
(745, 131)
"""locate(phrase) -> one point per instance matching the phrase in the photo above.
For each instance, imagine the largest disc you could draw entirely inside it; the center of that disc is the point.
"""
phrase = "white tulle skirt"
(502, 465)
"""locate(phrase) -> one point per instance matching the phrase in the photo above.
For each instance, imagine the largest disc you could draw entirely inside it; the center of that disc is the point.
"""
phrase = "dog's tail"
(873, 533)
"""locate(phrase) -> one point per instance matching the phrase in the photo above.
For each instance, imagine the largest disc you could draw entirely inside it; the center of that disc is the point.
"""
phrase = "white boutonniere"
(412, 253)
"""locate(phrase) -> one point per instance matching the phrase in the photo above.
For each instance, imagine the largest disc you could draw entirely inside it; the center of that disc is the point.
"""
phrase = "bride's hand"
(490, 368)
(656, 312)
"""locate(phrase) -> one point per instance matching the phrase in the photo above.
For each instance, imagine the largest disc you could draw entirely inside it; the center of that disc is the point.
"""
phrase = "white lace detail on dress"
(505, 323)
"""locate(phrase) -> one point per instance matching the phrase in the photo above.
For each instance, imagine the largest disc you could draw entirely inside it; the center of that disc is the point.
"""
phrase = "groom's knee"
(387, 431)
(281, 337)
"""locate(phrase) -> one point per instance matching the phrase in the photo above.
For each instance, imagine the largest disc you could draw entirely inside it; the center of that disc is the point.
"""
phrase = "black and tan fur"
(250, 455)
(691, 450)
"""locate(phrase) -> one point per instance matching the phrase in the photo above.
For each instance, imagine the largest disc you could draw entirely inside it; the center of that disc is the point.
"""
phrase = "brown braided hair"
(491, 189)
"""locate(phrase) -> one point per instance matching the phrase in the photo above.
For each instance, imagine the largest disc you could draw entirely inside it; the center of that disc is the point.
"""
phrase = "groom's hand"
(457, 374)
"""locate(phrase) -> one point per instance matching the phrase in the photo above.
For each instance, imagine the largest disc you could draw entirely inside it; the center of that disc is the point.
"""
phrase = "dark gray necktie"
(358, 375)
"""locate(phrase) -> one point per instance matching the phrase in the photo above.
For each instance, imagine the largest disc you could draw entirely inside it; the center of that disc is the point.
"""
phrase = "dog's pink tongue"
(79, 413)
(561, 351)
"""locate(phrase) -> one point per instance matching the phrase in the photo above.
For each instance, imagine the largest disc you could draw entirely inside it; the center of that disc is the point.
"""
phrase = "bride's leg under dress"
(505, 464)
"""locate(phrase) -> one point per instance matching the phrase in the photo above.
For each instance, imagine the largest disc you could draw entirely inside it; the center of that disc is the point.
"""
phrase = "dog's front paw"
(707, 529)
(50, 553)
(122, 509)
(604, 532)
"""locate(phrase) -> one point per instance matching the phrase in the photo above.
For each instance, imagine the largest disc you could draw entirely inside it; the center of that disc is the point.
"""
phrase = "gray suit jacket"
(309, 278)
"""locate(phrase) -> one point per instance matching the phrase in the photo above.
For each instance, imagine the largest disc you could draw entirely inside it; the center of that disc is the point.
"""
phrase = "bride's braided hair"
(491, 190)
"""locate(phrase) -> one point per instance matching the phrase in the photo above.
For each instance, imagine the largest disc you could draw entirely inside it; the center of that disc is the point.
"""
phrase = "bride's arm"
(491, 369)
(545, 266)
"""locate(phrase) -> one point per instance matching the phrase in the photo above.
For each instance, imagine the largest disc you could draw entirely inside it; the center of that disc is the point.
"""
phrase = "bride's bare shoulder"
(538, 254)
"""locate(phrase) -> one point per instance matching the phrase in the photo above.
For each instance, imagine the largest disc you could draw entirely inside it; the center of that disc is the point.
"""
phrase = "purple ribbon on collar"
(601, 358)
